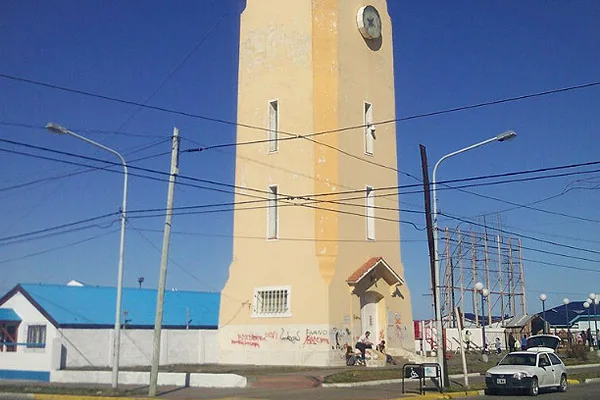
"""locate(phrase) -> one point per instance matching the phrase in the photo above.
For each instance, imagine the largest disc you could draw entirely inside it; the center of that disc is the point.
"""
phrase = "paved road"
(588, 391)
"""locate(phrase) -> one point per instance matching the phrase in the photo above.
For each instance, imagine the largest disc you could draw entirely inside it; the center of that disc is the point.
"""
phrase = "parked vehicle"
(532, 369)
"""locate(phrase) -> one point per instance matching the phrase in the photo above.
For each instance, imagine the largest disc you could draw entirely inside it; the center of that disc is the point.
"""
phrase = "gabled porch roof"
(384, 270)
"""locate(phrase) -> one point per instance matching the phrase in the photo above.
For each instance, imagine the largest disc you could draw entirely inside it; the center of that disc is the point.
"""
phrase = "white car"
(531, 369)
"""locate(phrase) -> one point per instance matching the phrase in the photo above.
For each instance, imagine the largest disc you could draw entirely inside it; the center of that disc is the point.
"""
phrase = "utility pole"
(462, 283)
(160, 298)
(441, 342)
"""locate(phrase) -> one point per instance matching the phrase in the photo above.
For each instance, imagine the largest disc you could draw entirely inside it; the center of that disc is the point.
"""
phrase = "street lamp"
(543, 298)
(586, 305)
(596, 300)
(566, 302)
(55, 128)
(484, 294)
(503, 137)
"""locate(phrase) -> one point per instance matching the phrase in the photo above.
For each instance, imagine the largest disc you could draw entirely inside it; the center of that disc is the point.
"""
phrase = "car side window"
(554, 360)
(544, 361)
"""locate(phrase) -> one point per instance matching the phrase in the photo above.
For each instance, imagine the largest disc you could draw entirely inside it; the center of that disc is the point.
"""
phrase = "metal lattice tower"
(485, 255)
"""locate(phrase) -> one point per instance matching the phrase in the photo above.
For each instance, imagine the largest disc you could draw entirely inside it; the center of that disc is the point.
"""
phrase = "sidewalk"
(269, 386)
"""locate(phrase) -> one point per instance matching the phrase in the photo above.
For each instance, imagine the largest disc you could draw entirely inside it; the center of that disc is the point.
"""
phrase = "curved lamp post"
(484, 294)
(566, 302)
(595, 300)
(586, 305)
(55, 128)
(543, 298)
(503, 137)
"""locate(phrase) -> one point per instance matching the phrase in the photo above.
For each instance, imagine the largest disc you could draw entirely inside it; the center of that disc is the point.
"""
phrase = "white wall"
(31, 359)
(142, 378)
(93, 347)
(209, 348)
(280, 345)
(452, 338)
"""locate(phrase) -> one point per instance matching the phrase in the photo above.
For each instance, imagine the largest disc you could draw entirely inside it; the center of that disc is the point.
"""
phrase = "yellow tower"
(316, 254)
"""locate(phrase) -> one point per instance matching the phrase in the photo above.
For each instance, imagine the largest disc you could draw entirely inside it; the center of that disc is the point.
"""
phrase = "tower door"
(368, 314)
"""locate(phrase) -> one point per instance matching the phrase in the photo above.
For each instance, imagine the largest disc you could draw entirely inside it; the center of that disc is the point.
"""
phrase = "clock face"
(369, 22)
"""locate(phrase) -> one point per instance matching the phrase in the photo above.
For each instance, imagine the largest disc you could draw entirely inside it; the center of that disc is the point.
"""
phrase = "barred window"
(272, 302)
(36, 336)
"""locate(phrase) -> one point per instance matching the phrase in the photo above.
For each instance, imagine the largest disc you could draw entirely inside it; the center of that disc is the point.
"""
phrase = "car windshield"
(518, 359)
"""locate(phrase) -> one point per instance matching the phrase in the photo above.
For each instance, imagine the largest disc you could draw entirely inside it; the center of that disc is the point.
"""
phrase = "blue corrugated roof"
(558, 316)
(95, 306)
(8, 314)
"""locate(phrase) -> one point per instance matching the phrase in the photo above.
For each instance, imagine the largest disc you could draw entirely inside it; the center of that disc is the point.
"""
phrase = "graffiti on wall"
(336, 338)
(308, 337)
(340, 338)
(316, 337)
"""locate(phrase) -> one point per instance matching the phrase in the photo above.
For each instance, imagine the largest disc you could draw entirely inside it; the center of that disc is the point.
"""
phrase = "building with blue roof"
(50, 327)
(573, 315)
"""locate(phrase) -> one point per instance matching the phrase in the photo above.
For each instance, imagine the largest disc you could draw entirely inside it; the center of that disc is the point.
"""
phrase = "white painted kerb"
(142, 378)
(218, 380)
(125, 377)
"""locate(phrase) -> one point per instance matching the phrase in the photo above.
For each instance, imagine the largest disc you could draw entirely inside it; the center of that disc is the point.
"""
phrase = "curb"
(582, 366)
(385, 381)
(592, 380)
(43, 396)
(357, 384)
(470, 375)
(450, 395)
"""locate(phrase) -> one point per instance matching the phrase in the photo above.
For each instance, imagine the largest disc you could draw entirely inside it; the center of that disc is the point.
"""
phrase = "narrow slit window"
(273, 126)
(272, 214)
(369, 129)
(370, 212)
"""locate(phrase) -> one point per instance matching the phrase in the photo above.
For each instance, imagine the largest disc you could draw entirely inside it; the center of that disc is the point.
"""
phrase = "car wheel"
(534, 388)
(563, 383)
(489, 391)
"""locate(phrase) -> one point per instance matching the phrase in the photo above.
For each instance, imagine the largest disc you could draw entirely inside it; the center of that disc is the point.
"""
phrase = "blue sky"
(446, 55)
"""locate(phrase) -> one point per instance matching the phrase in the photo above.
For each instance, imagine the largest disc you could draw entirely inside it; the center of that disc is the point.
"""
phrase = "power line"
(564, 266)
(545, 251)
(218, 148)
(37, 253)
(285, 239)
(57, 227)
(179, 265)
(306, 136)
(508, 174)
(107, 169)
(162, 214)
(527, 236)
(529, 207)
(177, 68)
(467, 107)
(206, 181)
(79, 172)
(83, 130)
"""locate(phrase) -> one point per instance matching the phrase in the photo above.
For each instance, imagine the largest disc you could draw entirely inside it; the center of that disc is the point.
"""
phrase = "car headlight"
(488, 375)
(520, 375)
